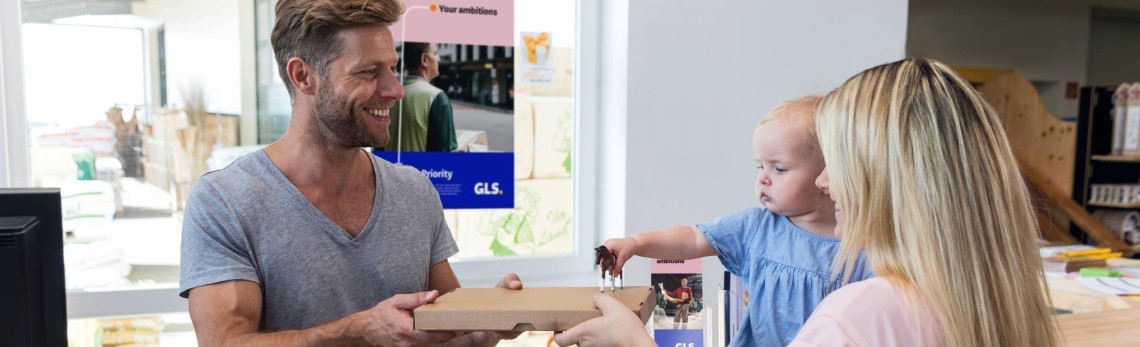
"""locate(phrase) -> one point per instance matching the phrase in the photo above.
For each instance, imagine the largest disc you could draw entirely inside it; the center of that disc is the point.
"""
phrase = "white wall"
(1044, 41)
(702, 74)
(202, 46)
(1114, 52)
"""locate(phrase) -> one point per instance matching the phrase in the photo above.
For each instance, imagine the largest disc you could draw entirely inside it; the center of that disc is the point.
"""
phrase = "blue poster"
(679, 338)
(464, 180)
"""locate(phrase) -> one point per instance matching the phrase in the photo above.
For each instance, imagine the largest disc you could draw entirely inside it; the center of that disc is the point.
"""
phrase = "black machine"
(32, 298)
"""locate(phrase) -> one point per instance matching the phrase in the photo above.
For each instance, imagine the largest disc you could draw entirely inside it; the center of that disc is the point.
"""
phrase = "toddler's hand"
(623, 248)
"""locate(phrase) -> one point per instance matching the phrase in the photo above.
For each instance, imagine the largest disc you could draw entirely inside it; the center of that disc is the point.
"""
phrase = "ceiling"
(43, 11)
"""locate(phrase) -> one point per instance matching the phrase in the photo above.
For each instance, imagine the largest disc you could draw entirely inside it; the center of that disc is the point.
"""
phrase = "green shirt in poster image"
(427, 123)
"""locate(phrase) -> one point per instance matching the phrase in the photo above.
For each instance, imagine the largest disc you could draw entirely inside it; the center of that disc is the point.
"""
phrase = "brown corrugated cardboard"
(528, 309)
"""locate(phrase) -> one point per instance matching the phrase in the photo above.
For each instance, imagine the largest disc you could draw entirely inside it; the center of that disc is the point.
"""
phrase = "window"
(127, 105)
(273, 109)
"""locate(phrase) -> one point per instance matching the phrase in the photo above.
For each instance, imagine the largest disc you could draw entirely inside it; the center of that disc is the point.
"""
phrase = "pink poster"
(662, 266)
(472, 22)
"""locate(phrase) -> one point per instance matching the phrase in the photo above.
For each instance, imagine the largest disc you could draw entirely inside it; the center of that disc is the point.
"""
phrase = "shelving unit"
(1044, 147)
(1094, 164)
(1117, 158)
(1113, 205)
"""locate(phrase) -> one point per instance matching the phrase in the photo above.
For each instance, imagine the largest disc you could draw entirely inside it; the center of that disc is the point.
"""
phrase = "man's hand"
(617, 326)
(491, 338)
(623, 248)
(510, 281)
(389, 323)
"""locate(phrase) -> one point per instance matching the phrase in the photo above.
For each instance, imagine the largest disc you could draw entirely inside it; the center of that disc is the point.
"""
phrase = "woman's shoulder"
(873, 312)
(861, 297)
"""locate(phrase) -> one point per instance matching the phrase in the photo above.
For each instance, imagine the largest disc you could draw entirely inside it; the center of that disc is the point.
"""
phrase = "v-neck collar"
(312, 210)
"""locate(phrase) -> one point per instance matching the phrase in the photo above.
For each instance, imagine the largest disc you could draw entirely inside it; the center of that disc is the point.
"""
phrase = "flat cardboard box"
(527, 309)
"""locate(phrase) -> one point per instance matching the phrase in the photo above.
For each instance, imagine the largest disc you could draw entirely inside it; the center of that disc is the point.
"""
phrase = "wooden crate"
(176, 146)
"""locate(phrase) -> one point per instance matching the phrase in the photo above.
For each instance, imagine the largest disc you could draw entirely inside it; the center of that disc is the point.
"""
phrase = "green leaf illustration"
(566, 163)
(499, 249)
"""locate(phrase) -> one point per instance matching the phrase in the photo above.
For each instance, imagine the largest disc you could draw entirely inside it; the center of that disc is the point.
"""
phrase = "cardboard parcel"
(527, 309)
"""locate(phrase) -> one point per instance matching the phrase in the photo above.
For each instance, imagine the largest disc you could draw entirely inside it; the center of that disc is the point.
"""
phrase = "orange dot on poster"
(433, 7)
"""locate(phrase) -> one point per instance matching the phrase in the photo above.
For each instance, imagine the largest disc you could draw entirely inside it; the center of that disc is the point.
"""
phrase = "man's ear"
(301, 75)
(423, 59)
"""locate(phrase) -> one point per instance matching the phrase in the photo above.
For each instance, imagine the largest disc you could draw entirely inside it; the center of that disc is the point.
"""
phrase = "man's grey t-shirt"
(248, 222)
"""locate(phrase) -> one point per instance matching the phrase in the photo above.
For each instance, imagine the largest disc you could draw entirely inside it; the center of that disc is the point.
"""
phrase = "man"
(427, 123)
(314, 241)
(681, 297)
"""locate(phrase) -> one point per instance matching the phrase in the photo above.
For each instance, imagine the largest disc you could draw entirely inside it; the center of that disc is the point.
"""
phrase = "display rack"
(1094, 162)
(1044, 146)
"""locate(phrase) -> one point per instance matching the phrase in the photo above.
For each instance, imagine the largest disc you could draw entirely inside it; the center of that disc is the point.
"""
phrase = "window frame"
(13, 121)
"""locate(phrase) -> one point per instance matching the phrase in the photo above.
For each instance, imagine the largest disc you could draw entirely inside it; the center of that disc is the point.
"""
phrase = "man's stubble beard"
(339, 122)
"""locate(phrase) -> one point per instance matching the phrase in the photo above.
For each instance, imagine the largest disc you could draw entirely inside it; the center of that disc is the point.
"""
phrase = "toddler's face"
(788, 164)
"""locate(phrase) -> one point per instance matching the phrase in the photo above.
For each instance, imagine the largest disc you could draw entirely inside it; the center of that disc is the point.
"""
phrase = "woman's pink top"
(869, 313)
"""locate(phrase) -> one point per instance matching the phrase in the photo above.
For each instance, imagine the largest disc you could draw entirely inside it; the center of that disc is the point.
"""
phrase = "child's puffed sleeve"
(732, 236)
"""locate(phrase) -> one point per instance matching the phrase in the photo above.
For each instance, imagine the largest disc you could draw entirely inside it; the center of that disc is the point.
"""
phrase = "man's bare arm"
(228, 314)
(442, 278)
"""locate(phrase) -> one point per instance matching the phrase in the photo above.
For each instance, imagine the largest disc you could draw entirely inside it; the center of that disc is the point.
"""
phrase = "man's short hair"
(413, 51)
(307, 29)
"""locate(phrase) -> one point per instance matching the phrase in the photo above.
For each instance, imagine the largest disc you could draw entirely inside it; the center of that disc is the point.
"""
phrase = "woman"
(925, 183)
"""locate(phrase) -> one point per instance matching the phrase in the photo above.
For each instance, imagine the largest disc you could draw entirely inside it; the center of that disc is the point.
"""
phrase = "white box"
(1131, 144)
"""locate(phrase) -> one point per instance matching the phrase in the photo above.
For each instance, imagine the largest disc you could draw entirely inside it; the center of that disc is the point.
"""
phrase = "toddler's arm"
(674, 243)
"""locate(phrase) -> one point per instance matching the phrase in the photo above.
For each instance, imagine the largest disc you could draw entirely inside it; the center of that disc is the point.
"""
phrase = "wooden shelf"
(1113, 204)
(1117, 158)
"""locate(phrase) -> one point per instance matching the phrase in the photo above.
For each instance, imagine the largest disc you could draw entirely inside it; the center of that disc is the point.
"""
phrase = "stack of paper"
(1112, 285)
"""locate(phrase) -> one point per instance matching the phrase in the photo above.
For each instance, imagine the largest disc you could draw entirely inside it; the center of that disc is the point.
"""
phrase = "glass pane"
(502, 102)
(273, 109)
(541, 88)
(126, 107)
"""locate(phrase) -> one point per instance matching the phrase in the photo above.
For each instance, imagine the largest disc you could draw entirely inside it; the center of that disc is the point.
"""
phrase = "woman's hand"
(617, 326)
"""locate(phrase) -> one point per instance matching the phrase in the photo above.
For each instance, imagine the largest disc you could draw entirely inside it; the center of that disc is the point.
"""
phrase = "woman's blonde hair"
(930, 190)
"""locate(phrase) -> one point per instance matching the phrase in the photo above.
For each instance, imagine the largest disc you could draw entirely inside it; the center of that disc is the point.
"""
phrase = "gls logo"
(484, 188)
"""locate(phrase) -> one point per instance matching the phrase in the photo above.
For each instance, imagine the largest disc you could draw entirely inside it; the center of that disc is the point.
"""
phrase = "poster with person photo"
(497, 147)
(455, 123)
(680, 315)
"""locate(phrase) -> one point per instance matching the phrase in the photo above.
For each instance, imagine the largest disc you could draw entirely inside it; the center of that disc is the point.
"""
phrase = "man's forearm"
(339, 332)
